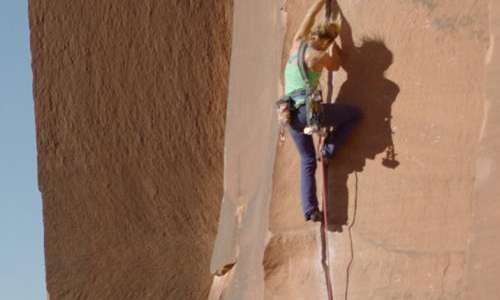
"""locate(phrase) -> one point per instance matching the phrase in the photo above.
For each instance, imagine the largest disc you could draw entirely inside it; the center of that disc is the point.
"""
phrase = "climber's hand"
(283, 114)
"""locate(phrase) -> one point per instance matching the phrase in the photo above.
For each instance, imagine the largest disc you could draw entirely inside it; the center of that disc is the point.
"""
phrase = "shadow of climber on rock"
(367, 88)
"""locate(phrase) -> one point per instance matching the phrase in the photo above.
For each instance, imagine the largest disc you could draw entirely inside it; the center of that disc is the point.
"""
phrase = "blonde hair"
(328, 28)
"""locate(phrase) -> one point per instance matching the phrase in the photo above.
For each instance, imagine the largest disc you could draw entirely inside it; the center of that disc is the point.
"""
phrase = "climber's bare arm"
(308, 22)
(332, 60)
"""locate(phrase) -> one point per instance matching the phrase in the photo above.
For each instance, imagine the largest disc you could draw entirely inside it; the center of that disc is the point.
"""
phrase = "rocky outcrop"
(130, 100)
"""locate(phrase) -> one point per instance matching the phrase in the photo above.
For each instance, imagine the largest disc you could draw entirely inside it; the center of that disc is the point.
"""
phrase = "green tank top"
(294, 81)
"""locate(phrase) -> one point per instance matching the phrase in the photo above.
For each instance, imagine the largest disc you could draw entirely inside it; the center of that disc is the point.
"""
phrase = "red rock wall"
(414, 207)
(130, 100)
(130, 106)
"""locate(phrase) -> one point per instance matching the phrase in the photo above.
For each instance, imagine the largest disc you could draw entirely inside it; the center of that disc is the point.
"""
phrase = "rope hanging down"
(325, 261)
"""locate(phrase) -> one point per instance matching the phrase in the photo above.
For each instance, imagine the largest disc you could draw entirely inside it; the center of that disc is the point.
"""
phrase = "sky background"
(22, 274)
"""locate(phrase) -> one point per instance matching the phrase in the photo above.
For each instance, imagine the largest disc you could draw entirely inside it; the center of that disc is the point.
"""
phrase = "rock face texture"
(413, 201)
(130, 100)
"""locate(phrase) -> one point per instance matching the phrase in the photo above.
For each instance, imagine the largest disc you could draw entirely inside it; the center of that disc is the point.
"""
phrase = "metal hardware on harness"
(313, 109)
(313, 96)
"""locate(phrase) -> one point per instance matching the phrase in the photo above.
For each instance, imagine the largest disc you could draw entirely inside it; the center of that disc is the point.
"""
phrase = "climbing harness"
(313, 95)
(313, 99)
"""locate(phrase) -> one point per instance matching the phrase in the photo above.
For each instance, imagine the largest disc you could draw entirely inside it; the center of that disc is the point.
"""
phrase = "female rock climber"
(342, 117)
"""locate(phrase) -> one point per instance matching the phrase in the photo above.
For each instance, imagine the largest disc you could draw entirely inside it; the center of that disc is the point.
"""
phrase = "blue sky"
(21, 231)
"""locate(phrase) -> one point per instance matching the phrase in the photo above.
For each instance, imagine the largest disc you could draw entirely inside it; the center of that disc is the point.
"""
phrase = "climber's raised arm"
(332, 61)
(308, 22)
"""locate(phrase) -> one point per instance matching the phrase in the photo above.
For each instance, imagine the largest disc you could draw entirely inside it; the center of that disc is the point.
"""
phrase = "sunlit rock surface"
(413, 207)
(130, 100)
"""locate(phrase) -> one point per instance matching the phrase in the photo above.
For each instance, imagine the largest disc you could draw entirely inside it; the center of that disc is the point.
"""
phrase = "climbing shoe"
(327, 150)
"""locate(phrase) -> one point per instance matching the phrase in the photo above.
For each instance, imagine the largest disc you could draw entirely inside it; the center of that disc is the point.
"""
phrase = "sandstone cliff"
(137, 148)
(414, 209)
(130, 100)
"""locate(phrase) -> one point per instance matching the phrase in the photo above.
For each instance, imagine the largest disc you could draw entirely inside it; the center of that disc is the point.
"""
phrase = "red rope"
(324, 225)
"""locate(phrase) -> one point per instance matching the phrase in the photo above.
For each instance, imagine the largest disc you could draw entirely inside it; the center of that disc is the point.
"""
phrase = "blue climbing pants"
(342, 117)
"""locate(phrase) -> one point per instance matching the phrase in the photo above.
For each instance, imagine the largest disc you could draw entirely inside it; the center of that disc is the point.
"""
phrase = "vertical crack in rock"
(325, 260)
(351, 242)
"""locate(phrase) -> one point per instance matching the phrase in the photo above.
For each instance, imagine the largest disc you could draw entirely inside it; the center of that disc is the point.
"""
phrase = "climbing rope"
(325, 260)
(324, 176)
